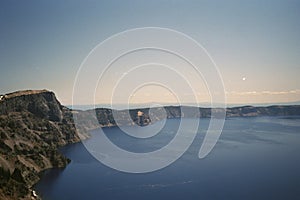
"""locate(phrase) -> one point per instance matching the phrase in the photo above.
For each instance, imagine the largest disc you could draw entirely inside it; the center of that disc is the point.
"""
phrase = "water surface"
(255, 158)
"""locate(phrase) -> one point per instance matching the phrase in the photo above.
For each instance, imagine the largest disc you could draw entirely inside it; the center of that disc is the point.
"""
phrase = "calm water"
(255, 158)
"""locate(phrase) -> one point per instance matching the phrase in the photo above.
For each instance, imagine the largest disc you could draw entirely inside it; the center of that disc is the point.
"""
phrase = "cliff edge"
(33, 124)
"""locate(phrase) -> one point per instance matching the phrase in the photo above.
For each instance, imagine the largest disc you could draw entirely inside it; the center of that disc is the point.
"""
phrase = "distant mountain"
(202, 104)
(33, 125)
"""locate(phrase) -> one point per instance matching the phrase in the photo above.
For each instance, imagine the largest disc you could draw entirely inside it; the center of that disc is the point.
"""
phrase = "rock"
(33, 124)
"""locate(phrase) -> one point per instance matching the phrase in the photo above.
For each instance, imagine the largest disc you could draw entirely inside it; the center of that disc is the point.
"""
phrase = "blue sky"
(255, 44)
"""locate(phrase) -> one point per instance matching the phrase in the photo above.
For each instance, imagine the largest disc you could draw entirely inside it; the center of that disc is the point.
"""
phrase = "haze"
(255, 44)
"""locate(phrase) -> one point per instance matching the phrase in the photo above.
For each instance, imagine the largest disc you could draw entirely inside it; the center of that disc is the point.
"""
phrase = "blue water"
(255, 158)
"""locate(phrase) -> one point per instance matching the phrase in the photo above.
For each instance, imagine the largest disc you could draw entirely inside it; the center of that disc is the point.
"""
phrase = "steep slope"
(33, 124)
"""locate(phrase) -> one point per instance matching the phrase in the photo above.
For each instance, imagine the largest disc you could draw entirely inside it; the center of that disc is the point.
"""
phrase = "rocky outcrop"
(33, 124)
(40, 103)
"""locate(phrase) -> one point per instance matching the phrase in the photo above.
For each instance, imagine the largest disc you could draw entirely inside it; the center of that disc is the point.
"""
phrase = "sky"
(255, 45)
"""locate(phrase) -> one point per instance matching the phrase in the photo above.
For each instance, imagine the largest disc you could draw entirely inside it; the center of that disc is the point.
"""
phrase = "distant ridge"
(202, 105)
(105, 115)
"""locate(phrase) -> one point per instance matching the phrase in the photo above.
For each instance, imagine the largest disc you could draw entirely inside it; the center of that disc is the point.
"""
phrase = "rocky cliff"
(147, 116)
(33, 124)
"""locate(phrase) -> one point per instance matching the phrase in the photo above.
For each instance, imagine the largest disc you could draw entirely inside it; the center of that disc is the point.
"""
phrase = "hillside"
(148, 116)
(33, 124)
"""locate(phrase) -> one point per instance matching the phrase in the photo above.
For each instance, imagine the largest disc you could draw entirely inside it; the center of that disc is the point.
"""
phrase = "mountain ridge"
(151, 115)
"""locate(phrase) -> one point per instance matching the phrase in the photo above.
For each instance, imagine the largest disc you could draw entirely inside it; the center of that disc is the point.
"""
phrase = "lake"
(255, 158)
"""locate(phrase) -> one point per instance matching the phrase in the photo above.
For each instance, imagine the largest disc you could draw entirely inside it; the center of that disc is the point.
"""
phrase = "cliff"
(33, 124)
(105, 116)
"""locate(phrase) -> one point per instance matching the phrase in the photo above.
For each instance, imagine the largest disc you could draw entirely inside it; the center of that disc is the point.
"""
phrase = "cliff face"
(41, 103)
(105, 116)
(145, 116)
(33, 124)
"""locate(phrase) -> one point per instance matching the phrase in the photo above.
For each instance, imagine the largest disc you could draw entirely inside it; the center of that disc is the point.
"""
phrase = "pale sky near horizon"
(256, 44)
